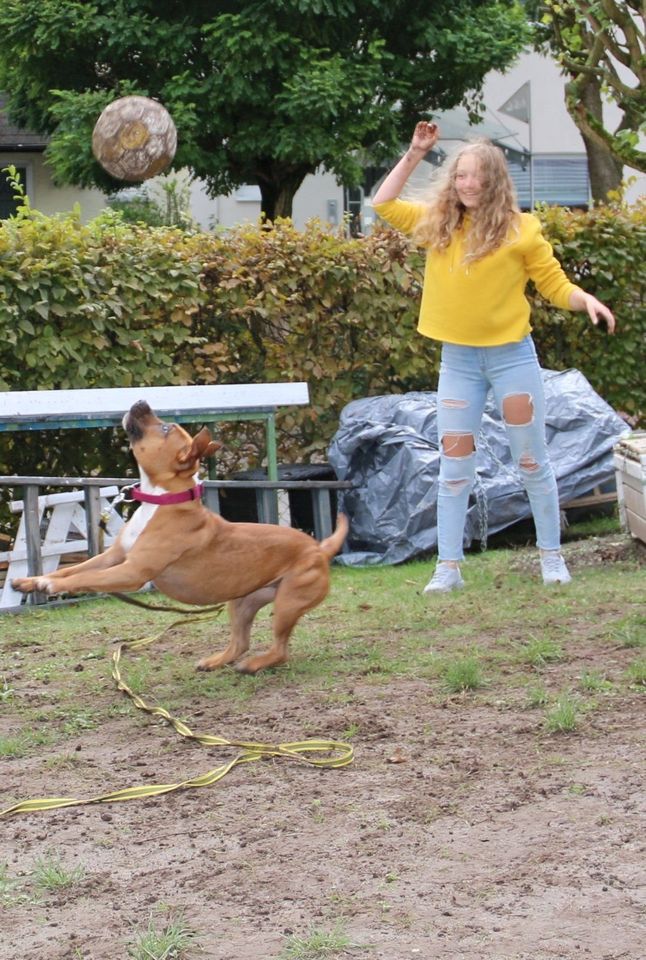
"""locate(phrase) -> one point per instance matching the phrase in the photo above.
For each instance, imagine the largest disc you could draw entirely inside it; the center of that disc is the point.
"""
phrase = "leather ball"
(134, 139)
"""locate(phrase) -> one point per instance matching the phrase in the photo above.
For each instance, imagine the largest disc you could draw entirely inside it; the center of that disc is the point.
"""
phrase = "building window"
(248, 193)
(8, 205)
(560, 180)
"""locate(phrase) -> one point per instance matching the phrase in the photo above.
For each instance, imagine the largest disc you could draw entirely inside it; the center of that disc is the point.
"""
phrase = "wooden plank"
(595, 499)
(633, 468)
(635, 500)
(52, 499)
(46, 551)
(633, 447)
(636, 525)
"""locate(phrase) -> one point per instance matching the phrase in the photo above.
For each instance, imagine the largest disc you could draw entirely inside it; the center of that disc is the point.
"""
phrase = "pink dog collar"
(195, 493)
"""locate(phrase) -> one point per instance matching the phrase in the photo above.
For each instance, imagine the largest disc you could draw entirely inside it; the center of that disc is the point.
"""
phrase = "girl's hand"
(425, 136)
(595, 309)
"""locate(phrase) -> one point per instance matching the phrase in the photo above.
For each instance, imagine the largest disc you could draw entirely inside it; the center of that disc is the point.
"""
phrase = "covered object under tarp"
(387, 446)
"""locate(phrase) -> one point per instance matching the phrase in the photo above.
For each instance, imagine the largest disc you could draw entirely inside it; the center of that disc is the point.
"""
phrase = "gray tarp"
(387, 446)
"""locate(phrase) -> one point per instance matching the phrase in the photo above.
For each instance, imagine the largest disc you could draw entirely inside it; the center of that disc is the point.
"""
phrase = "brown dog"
(194, 555)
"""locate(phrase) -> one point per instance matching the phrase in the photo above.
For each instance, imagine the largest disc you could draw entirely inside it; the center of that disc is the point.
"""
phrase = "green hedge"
(604, 251)
(103, 305)
(114, 304)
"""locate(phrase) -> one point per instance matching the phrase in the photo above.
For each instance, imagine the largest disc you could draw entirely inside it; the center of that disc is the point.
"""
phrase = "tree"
(600, 46)
(261, 91)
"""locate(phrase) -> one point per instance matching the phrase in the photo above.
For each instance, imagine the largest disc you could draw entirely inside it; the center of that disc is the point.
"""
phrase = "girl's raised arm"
(424, 138)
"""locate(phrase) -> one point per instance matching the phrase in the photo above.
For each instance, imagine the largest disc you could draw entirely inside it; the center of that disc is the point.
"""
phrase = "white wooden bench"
(64, 527)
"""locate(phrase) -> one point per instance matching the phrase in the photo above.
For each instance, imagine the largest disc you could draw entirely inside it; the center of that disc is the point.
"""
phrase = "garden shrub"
(118, 304)
(603, 250)
(102, 305)
(309, 305)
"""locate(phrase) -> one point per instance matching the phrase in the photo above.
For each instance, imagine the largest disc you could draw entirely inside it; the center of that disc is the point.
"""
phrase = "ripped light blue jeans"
(467, 374)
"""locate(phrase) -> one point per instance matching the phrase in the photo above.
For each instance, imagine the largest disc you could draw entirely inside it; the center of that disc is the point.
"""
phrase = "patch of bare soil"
(461, 830)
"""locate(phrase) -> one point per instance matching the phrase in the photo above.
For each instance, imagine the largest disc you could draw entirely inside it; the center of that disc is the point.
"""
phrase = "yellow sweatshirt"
(483, 304)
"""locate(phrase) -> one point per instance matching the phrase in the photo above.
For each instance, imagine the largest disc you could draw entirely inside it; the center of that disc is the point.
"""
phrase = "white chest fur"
(142, 515)
(136, 524)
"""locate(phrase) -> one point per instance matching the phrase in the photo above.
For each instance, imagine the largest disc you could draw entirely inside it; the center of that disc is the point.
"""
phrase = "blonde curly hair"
(489, 222)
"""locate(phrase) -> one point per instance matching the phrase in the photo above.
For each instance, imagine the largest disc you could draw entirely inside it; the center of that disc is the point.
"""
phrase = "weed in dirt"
(9, 888)
(317, 944)
(539, 651)
(50, 874)
(350, 731)
(537, 696)
(462, 674)
(636, 673)
(563, 717)
(120, 708)
(7, 692)
(64, 761)
(78, 721)
(45, 671)
(594, 682)
(577, 790)
(23, 744)
(342, 904)
(141, 675)
(632, 632)
(174, 941)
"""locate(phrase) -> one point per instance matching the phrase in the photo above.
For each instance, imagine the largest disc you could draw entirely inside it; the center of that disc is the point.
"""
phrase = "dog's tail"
(332, 544)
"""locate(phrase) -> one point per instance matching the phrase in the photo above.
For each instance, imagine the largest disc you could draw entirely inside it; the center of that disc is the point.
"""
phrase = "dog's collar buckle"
(163, 499)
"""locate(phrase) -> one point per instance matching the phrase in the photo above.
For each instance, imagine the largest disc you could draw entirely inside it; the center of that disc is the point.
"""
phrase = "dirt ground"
(461, 830)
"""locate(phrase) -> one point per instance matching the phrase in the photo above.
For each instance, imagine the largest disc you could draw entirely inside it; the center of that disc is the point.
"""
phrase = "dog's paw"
(215, 662)
(33, 584)
(24, 584)
(264, 661)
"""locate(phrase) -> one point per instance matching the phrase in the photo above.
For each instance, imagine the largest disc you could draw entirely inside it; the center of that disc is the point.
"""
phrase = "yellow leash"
(336, 754)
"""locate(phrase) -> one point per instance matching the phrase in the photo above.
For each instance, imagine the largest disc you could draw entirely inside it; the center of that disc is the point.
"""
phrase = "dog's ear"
(201, 447)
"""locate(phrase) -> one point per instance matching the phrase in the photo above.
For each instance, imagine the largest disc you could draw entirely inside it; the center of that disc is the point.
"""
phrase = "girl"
(481, 252)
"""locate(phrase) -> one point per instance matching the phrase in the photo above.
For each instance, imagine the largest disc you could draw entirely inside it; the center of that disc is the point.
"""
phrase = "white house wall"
(47, 198)
(319, 197)
(553, 130)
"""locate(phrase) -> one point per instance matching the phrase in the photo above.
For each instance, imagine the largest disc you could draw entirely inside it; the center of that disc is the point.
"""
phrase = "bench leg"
(212, 499)
(32, 538)
(267, 505)
(92, 497)
(322, 509)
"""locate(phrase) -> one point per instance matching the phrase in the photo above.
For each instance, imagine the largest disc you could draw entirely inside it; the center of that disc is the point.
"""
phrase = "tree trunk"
(277, 192)
(605, 170)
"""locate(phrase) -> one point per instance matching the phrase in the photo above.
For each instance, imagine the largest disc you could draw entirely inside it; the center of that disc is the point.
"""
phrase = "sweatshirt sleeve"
(543, 267)
(401, 214)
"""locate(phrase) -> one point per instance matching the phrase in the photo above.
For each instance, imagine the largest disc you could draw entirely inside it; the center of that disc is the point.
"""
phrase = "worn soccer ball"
(134, 139)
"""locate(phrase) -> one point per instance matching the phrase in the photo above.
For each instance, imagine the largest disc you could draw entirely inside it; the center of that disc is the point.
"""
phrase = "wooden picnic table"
(105, 407)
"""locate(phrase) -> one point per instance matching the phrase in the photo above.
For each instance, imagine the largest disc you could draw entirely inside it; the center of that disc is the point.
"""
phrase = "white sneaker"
(444, 579)
(553, 568)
